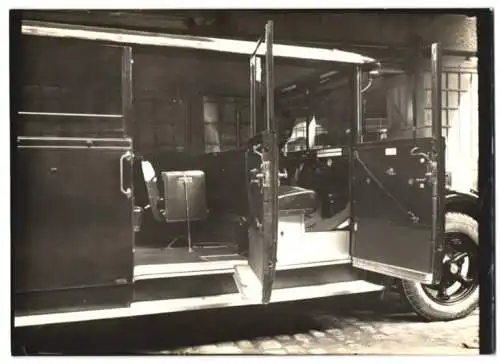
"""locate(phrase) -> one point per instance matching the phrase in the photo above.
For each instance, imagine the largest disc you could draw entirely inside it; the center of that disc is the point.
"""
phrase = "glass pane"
(452, 81)
(427, 80)
(453, 117)
(228, 112)
(428, 117)
(244, 115)
(428, 98)
(211, 134)
(444, 101)
(453, 100)
(465, 81)
(444, 117)
(227, 134)
(244, 133)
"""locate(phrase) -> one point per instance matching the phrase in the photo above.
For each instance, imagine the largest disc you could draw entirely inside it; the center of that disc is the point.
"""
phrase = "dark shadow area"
(153, 334)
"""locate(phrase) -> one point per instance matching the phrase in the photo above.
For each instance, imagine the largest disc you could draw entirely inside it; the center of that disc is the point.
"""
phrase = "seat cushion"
(296, 199)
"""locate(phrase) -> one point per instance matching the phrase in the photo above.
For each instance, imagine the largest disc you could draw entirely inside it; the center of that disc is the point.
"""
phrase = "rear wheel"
(457, 294)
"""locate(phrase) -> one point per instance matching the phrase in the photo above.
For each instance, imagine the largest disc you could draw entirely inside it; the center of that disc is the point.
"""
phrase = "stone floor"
(359, 332)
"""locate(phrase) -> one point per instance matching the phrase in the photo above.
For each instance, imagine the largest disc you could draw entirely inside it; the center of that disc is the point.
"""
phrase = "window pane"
(428, 117)
(427, 80)
(228, 112)
(227, 134)
(444, 98)
(453, 81)
(453, 100)
(428, 98)
(465, 81)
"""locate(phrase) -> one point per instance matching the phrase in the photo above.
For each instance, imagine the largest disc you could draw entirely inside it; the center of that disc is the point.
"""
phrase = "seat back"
(154, 197)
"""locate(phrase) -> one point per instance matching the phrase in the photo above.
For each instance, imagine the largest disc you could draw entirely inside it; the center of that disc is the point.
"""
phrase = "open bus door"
(255, 280)
(397, 197)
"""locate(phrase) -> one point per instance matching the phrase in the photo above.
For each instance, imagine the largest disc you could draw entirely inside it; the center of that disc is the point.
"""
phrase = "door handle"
(283, 174)
(127, 192)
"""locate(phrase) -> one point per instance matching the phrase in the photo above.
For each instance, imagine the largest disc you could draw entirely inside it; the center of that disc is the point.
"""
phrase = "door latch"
(257, 176)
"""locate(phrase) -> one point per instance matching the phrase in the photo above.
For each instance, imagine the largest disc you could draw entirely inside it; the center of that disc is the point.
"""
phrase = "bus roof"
(189, 42)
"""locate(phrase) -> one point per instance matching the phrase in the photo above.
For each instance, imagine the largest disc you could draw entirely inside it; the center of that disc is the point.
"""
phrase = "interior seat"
(296, 199)
(154, 197)
(290, 198)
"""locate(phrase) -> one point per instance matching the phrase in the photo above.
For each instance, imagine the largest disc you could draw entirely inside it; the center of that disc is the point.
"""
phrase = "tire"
(422, 303)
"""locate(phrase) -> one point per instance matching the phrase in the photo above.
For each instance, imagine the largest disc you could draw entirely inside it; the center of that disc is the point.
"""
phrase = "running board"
(197, 303)
(247, 282)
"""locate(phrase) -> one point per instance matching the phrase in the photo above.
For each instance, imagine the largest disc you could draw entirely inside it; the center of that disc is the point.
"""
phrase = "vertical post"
(358, 104)
(187, 122)
(414, 101)
(437, 126)
(126, 86)
(438, 161)
(270, 121)
(252, 96)
(308, 118)
(238, 125)
(415, 62)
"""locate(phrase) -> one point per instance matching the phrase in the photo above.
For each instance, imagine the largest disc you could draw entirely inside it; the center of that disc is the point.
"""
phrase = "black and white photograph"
(287, 182)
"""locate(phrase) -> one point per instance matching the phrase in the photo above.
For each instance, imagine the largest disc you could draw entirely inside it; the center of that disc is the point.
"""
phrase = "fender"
(464, 202)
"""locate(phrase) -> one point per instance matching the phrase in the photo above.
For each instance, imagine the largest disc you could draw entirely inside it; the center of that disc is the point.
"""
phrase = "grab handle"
(127, 192)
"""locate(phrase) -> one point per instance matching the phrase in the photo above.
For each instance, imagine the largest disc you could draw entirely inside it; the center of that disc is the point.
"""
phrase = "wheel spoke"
(442, 295)
(463, 280)
(458, 257)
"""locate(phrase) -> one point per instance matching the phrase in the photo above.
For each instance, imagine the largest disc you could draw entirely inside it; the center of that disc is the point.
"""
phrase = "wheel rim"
(459, 272)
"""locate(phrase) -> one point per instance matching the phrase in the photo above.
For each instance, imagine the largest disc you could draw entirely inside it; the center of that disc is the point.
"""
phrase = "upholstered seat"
(291, 199)
(296, 199)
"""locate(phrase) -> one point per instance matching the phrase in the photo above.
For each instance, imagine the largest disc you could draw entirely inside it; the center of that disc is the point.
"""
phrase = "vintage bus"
(157, 173)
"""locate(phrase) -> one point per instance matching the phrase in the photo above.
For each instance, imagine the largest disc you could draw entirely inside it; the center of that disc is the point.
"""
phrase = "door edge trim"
(391, 270)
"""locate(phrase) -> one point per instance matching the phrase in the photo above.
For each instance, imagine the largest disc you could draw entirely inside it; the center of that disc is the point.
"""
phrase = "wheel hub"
(459, 273)
(454, 268)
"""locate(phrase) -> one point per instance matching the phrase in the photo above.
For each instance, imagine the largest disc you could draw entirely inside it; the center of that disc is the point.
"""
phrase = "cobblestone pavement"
(349, 325)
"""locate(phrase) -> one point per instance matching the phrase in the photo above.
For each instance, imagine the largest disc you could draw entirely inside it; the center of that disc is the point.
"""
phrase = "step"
(247, 282)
